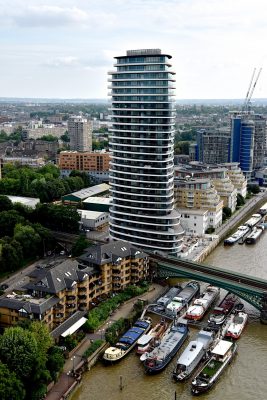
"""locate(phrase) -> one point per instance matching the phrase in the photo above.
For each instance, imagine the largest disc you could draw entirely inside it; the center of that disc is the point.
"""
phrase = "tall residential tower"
(141, 144)
(80, 132)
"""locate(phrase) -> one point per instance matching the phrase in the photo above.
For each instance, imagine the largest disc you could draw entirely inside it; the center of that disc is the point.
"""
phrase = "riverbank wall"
(251, 207)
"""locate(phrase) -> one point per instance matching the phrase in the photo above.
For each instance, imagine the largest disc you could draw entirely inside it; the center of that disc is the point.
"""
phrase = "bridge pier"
(263, 317)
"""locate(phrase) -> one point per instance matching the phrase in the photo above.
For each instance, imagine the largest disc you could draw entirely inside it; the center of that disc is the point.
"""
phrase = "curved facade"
(141, 145)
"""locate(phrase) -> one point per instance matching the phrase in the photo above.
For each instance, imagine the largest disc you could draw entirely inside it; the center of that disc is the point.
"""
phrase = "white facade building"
(93, 220)
(142, 147)
(194, 221)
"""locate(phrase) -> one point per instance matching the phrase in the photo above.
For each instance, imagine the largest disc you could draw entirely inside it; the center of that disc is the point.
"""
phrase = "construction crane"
(247, 103)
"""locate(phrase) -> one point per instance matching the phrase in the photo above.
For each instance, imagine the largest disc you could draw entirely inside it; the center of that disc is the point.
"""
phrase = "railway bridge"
(251, 289)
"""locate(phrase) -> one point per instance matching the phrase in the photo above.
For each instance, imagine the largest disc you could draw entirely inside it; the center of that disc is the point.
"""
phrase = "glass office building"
(141, 145)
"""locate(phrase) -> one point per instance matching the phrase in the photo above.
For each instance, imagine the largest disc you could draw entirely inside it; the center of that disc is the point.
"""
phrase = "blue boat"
(171, 342)
(127, 342)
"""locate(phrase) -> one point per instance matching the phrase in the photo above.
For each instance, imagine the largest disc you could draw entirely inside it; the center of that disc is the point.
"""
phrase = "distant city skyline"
(64, 48)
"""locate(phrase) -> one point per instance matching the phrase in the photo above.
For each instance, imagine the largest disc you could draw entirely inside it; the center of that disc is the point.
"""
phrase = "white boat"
(145, 342)
(237, 325)
(239, 234)
(255, 234)
(254, 220)
(201, 305)
(193, 354)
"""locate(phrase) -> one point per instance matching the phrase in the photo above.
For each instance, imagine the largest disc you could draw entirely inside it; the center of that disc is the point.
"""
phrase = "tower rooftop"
(144, 52)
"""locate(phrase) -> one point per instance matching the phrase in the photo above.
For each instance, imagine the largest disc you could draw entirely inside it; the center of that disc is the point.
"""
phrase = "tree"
(55, 361)
(57, 217)
(11, 388)
(11, 255)
(26, 353)
(83, 175)
(42, 336)
(227, 212)
(5, 203)
(65, 138)
(19, 350)
(44, 342)
(48, 138)
(28, 238)
(252, 188)
(8, 220)
(240, 201)
(182, 147)
(79, 246)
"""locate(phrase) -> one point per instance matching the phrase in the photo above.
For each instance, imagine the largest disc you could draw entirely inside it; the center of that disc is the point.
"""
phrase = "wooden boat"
(127, 342)
(170, 343)
(193, 354)
(199, 307)
(145, 342)
(221, 356)
(237, 325)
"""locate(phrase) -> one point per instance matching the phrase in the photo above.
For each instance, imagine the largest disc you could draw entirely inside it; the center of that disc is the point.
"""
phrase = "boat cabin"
(144, 340)
(221, 350)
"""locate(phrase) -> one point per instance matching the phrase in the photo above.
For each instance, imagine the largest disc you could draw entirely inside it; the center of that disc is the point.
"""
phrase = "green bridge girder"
(254, 296)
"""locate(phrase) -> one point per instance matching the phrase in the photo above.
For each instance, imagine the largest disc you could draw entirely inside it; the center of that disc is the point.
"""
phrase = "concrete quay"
(251, 206)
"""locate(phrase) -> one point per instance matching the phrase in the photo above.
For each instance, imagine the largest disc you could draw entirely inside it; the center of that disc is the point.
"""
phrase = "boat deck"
(211, 368)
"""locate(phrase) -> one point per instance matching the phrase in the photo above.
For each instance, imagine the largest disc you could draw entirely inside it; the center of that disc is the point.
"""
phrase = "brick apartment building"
(56, 295)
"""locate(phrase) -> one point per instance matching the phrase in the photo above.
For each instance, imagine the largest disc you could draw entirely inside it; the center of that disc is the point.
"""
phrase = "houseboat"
(145, 342)
(199, 307)
(171, 342)
(164, 300)
(193, 354)
(263, 209)
(239, 234)
(220, 313)
(255, 234)
(237, 325)
(127, 342)
(221, 356)
(253, 220)
(180, 303)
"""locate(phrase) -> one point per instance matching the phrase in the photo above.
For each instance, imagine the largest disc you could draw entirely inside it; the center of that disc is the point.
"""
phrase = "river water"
(244, 379)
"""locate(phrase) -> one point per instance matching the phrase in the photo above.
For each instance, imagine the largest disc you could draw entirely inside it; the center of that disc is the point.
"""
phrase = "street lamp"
(68, 375)
(73, 364)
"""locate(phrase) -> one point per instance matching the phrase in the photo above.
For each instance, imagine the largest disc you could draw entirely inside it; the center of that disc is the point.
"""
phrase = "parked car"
(4, 286)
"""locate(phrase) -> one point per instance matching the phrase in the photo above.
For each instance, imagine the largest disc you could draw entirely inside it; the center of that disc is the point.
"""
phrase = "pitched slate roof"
(31, 306)
(60, 277)
(110, 252)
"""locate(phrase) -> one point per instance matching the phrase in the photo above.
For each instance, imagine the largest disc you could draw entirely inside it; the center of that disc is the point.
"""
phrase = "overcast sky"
(64, 48)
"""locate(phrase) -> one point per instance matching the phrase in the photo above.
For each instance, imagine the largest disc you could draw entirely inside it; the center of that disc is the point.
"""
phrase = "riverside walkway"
(66, 381)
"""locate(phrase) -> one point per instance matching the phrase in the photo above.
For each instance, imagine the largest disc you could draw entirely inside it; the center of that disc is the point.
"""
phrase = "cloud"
(27, 15)
(58, 62)
(215, 44)
(46, 15)
(98, 60)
